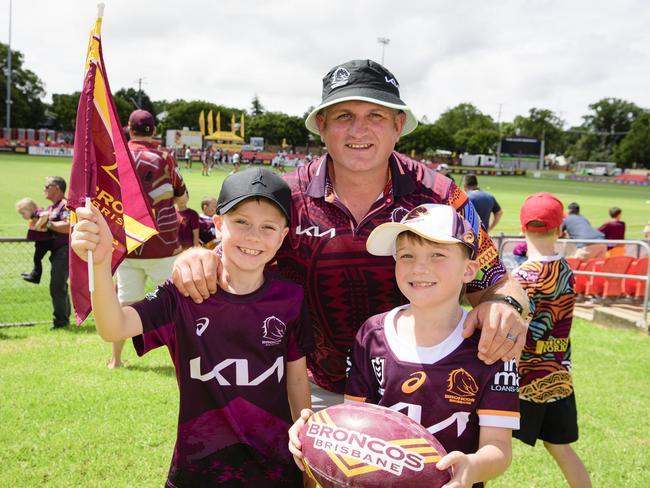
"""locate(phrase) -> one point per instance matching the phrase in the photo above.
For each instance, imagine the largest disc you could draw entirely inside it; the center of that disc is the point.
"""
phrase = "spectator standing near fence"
(162, 182)
(58, 224)
(484, 202)
(188, 224)
(614, 229)
(578, 227)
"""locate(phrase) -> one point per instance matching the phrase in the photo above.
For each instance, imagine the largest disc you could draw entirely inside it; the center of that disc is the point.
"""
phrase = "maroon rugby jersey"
(161, 182)
(230, 354)
(446, 388)
(59, 213)
(188, 220)
(325, 251)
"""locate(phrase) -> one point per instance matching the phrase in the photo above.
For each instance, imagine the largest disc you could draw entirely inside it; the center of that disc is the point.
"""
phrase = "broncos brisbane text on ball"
(364, 445)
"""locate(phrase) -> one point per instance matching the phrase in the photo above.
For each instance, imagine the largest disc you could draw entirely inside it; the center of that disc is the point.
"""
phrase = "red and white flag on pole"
(103, 174)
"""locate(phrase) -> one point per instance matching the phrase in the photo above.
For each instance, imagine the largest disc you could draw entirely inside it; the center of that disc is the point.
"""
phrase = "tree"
(426, 138)
(604, 128)
(476, 140)
(542, 124)
(466, 117)
(64, 108)
(275, 126)
(635, 146)
(133, 99)
(181, 113)
(256, 106)
(27, 108)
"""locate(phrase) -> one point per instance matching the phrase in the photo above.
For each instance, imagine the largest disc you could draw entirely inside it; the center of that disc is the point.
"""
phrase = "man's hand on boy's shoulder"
(503, 331)
(195, 273)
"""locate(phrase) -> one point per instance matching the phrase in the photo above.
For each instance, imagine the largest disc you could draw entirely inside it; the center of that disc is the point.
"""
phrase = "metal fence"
(22, 303)
(565, 247)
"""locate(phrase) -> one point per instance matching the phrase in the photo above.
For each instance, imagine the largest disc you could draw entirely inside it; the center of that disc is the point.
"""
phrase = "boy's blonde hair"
(534, 226)
(26, 203)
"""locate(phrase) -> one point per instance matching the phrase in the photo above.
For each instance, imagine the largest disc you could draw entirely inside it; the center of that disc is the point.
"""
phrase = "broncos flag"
(103, 174)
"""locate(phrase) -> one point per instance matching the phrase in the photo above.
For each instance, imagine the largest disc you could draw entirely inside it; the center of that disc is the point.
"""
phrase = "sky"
(503, 56)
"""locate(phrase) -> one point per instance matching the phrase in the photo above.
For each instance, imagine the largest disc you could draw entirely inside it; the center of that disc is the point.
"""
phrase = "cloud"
(520, 54)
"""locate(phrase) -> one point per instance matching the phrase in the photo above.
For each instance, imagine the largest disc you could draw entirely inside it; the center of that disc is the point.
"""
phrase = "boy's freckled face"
(251, 234)
(430, 273)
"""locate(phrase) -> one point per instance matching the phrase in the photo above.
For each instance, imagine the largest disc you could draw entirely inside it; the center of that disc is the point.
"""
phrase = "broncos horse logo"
(273, 331)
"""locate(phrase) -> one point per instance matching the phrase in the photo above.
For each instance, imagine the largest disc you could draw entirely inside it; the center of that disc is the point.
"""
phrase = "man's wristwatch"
(512, 301)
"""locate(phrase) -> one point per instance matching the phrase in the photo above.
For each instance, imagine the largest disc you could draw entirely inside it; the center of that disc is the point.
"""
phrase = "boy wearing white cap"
(413, 359)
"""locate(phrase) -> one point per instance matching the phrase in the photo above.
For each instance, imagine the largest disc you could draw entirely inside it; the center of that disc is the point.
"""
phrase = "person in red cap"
(162, 182)
(547, 401)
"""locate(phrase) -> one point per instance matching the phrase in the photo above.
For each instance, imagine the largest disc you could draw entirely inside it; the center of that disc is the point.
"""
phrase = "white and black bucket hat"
(366, 81)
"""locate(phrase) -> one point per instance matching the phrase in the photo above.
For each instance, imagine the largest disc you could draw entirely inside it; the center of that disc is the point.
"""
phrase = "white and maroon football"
(365, 445)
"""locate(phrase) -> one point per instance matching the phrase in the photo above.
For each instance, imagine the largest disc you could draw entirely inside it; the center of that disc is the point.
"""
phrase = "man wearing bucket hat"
(339, 199)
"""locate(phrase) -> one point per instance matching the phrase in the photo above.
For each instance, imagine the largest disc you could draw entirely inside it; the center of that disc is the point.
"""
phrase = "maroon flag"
(103, 172)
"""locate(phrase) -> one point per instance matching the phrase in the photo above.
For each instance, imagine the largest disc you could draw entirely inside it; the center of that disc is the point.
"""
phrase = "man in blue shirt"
(484, 203)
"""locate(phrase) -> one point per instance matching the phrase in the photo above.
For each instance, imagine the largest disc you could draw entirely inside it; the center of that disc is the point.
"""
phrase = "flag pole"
(91, 273)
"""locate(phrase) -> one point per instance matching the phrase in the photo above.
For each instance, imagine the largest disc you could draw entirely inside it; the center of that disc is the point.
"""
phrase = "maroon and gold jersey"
(325, 251)
(230, 354)
(161, 182)
(545, 363)
(445, 388)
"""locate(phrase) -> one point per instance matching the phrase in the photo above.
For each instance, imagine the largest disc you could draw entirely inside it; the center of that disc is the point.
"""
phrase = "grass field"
(68, 421)
(24, 175)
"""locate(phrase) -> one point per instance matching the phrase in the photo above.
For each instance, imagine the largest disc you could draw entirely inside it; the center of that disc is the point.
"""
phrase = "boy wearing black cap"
(239, 356)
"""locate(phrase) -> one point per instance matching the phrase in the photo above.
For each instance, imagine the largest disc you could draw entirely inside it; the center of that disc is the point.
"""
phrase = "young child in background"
(414, 359)
(239, 356)
(36, 232)
(548, 407)
(188, 224)
(209, 236)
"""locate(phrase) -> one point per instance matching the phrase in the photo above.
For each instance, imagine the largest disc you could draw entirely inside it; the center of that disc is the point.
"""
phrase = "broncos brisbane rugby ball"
(365, 445)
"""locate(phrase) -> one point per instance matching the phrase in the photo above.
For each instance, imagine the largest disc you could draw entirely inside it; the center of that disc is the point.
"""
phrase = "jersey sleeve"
(499, 403)
(360, 377)
(157, 312)
(301, 339)
(491, 268)
(194, 220)
(177, 180)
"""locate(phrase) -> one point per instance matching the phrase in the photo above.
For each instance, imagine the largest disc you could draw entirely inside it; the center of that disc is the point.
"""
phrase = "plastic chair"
(636, 288)
(583, 280)
(610, 287)
(574, 263)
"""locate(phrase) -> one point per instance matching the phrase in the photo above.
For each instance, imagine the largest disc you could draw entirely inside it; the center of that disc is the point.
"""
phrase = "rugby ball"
(365, 445)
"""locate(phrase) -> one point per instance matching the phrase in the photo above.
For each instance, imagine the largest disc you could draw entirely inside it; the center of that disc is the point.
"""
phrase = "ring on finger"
(512, 337)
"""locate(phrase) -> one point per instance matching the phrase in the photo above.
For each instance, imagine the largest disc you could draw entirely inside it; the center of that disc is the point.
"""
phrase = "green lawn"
(24, 176)
(68, 421)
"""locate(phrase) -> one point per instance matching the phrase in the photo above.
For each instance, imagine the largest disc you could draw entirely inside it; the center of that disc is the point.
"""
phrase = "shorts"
(554, 422)
(132, 276)
(321, 398)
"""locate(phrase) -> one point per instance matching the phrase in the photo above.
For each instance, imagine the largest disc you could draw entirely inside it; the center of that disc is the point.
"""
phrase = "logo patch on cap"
(340, 77)
(392, 81)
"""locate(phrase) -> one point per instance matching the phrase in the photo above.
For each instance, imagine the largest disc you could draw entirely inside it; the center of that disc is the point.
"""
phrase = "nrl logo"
(340, 77)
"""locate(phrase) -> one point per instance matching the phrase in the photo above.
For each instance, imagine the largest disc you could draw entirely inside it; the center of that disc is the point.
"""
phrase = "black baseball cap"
(256, 182)
(366, 81)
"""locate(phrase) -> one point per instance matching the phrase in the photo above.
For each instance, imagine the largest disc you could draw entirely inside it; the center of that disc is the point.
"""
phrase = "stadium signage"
(50, 151)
